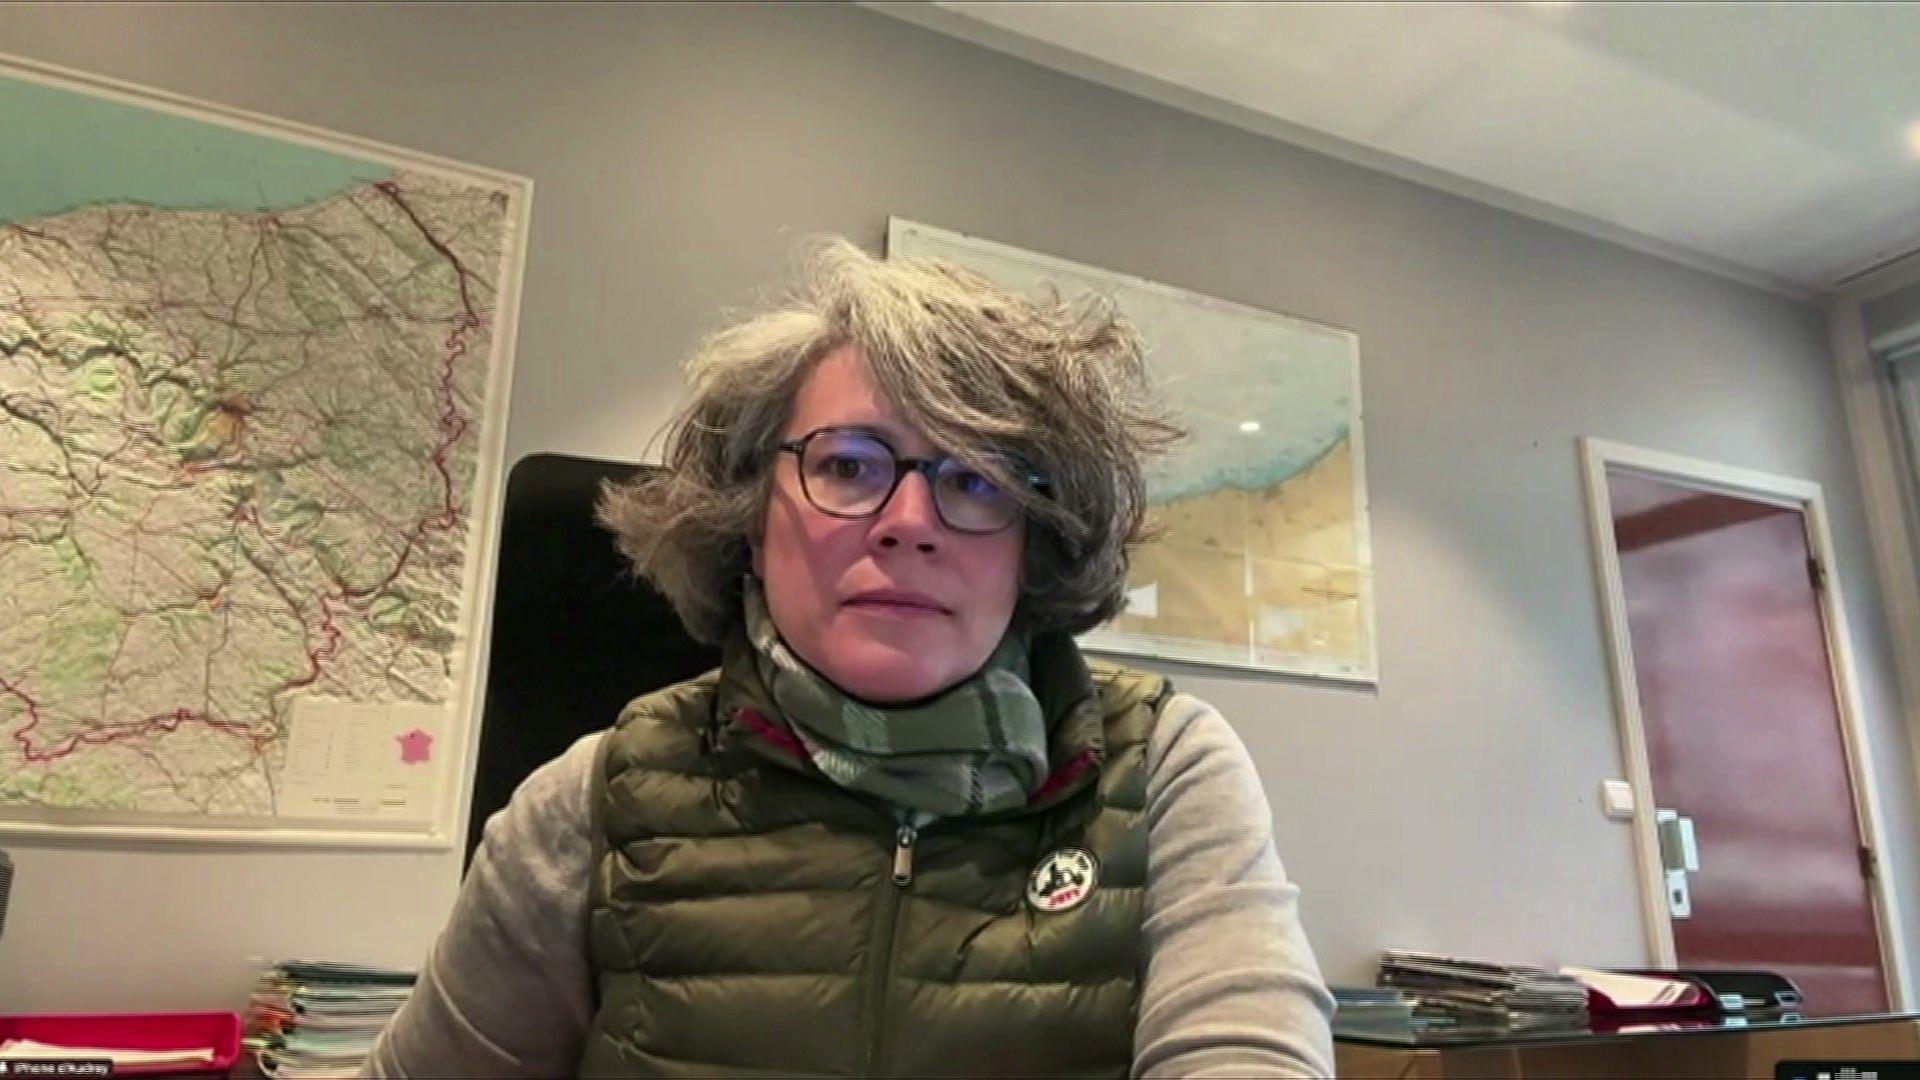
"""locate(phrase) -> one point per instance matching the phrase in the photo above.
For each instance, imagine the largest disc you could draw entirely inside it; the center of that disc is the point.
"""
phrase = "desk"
(1733, 1051)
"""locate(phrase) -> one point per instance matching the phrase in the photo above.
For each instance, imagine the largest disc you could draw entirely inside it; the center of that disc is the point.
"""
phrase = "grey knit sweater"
(1231, 987)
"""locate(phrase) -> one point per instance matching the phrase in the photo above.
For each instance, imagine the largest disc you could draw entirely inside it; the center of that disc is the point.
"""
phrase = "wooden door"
(1743, 735)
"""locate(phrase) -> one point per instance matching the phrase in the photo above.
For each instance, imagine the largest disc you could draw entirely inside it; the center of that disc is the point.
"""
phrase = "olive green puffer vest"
(751, 918)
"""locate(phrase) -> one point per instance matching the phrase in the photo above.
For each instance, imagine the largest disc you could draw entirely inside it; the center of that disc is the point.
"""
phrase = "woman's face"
(891, 607)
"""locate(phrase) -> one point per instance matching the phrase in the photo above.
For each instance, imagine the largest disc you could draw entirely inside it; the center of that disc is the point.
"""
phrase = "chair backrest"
(575, 636)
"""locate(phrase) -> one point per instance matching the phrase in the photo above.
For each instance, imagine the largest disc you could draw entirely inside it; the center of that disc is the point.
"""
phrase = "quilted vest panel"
(745, 919)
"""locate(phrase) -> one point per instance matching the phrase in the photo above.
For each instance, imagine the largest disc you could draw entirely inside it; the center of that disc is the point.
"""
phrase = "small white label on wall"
(1616, 798)
(364, 762)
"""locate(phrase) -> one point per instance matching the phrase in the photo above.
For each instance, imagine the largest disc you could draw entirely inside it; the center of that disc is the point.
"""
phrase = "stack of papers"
(1374, 1008)
(1481, 993)
(319, 1018)
(1619, 991)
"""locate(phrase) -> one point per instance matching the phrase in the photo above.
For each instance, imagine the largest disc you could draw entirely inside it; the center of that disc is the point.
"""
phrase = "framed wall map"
(253, 383)
(1265, 562)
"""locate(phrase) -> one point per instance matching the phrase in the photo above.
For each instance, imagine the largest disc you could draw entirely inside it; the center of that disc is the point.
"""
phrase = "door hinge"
(1817, 573)
(1869, 863)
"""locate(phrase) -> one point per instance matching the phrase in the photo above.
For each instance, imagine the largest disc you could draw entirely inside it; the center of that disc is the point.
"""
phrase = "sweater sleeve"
(1231, 986)
(505, 990)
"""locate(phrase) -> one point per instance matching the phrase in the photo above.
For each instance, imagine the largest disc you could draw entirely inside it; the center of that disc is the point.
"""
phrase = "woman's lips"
(889, 602)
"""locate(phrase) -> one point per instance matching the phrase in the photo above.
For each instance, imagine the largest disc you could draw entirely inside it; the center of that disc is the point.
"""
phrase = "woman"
(904, 828)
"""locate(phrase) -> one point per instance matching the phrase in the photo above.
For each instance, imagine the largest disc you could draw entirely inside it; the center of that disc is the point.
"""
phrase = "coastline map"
(1264, 561)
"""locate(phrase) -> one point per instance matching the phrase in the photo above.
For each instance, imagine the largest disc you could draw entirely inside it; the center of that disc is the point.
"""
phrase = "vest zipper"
(880, 973)
(903, 855)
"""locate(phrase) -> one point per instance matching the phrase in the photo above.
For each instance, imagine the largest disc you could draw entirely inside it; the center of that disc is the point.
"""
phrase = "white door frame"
(1803, 495)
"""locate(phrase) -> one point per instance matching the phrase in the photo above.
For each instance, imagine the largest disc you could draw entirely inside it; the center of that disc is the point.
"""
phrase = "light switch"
(1616, 798)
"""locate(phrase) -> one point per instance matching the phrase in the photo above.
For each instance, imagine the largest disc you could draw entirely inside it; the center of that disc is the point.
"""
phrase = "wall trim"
(1876, 457)
(1877, 281)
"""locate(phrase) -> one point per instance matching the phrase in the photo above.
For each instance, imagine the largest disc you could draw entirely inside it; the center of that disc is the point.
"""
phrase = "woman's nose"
(909, 519)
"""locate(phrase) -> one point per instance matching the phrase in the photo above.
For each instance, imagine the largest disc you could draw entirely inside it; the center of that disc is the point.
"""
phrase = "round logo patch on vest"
(1063, 880)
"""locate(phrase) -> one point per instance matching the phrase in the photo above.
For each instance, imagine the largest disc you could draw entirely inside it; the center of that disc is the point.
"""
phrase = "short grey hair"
(979, 369)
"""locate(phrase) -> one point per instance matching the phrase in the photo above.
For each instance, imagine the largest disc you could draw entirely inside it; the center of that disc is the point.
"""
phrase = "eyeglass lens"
(852, 474)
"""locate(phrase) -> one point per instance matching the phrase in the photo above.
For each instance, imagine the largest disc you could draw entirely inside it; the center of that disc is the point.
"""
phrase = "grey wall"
(678, 151)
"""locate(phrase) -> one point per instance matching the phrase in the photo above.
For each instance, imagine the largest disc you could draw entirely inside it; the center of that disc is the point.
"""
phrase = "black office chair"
(575, 636)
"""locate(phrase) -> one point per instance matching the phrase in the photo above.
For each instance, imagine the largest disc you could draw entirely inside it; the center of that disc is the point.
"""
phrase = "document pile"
(1627, 992)
(318, 1018)
(1482, 994)
(1374, 1009)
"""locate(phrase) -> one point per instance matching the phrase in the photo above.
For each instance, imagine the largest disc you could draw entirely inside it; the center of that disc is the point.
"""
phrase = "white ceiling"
(1778, 143)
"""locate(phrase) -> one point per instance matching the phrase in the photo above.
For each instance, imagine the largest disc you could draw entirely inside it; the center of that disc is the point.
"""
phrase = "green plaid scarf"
(977, 748)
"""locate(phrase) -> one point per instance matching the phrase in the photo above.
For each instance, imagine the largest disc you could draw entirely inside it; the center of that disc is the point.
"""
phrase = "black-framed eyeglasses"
(852, 473)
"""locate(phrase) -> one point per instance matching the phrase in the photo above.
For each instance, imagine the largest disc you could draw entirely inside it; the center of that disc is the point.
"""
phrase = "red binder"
(216, 1031)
